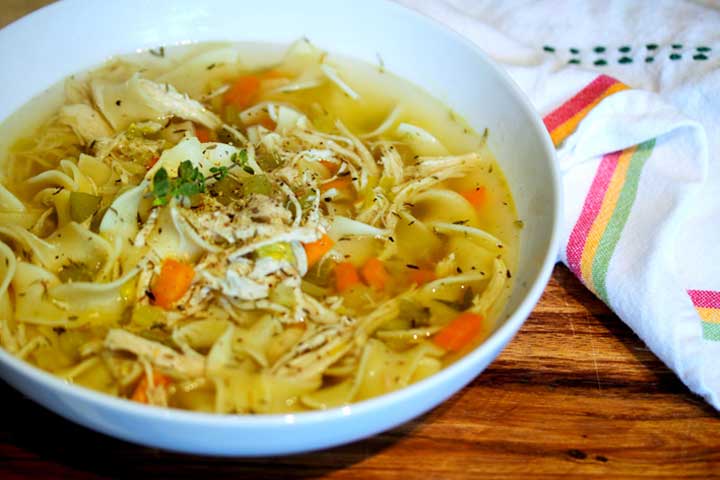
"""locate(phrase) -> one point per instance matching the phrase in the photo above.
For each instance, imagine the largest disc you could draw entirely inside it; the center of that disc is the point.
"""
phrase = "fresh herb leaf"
(161, 187)
(241, 160)
(190, 180)
(219, 173)
(188, 189)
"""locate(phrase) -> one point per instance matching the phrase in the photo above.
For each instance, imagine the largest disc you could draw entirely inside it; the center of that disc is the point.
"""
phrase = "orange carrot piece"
(203, 134)
(172, 283)
(476, 196)
(340, 183)
(422, 276)
(374, 274)
(346, 276)
(140, 392)
(317, 249)
(460, 332)
(152, 162)
(243, 92)
(331, 166)
(268, 123)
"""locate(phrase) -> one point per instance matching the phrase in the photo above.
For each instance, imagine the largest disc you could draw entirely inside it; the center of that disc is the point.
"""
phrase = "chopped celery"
(83, 205)
(268, 161)
(259, 184)
(226, 189)
(278, 251)
(314, 290)
(145, 316)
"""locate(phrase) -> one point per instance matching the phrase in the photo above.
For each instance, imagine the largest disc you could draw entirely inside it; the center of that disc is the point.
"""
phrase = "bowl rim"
(496, 341)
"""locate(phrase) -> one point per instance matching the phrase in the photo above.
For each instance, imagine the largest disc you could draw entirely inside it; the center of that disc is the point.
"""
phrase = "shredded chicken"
(155, 353)
(139, 99)
(85, 121)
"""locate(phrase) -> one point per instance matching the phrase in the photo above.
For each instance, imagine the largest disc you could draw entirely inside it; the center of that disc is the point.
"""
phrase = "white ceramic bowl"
(70, 36)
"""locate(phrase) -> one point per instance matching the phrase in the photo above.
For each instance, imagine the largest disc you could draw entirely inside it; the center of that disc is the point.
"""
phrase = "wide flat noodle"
(273, 394)
(173, 237)
(120, 221)
(104, 297)
(383, 370)
(8, 266)
(38, 249)
(143, 99)
(94, 255)
(256, 340)
(94, 169)
(9, 202)
(200, 334)
(192, 75)
(482, 237)
(32, 304)
(221, 355)
(330, 397)
(443, 205)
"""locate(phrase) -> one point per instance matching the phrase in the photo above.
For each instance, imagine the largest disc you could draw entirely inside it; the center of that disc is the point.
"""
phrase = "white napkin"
(630, 91)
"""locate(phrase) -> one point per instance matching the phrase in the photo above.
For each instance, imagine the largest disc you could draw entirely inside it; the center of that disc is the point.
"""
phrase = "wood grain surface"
(575, 395)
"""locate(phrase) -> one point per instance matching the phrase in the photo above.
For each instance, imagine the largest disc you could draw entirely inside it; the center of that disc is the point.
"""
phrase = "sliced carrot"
(268, 123)
(346, 276)
(460, 332)
(476, 196)
(317, 249)
(152, 162)
(340, 183)
(422, 276)
(172, 283)
(140, 392)
(331, 166)
(243, 92)
(203, 134)
(374, 274)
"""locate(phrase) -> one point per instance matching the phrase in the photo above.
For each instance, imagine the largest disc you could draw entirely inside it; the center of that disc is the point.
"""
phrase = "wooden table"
(576, 394)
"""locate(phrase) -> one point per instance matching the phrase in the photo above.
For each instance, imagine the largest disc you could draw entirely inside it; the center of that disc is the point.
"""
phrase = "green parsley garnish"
(190, 180)
(241, 160)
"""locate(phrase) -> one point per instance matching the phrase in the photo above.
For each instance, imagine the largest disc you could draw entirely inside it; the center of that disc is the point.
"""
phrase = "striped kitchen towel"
(633, 108)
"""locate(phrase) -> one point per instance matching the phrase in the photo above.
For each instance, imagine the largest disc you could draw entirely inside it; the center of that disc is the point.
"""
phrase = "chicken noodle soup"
(228, 228)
